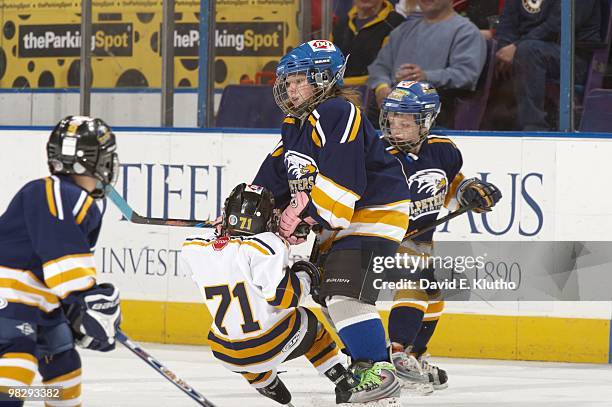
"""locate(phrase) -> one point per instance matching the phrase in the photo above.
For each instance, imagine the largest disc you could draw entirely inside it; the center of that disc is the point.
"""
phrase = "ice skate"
(277, 391)
(378, 386)
(413, 377)
(439, 376)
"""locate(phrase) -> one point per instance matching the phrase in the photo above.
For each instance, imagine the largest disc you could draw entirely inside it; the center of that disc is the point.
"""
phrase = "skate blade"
(417, 389)
(440, 386)
(386, 402)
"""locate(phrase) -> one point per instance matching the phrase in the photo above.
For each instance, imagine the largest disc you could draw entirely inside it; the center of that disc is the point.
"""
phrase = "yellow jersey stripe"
(315, 138)
(337, 209)
(341, 189)
(69, 256)
(256, 350)
(413, 305)
(433, 140)
(289, 120)
(20, 286)
(355, 126)
(452, 189)
(20, 355)
(394, 218)
(83, 212)
(50, 198)
(70, 275)
(21, 374)
(288, 294)
(250, 338)
(252, 244)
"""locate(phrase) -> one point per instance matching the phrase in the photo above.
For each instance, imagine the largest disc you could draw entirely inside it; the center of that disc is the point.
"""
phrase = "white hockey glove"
(94, 316)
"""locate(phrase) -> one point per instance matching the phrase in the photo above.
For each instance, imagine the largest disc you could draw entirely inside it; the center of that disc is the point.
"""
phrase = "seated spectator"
(528, 43)
(362, 33)
(441, 48)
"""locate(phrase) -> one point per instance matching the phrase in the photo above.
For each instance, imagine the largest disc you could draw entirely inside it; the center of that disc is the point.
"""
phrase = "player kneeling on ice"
(242, 271)
(433, 165)
(49, 297)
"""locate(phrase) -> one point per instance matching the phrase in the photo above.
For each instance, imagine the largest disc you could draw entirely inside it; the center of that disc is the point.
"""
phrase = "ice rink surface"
(120, 378)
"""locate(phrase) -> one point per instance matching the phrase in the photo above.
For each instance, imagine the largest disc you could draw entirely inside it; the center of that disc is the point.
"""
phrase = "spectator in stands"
(407, 7)
(528, 43)
(362, 33)
(441, 47)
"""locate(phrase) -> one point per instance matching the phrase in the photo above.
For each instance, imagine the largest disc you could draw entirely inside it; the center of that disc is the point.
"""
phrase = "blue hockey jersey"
(433, 177)
(47, 235)
(357, 189)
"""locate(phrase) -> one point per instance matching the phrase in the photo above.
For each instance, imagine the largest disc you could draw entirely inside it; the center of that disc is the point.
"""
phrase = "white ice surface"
(120, 378)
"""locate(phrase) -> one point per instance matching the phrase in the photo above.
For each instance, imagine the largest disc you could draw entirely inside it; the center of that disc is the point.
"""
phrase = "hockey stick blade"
(133, 217)
(417, 232)
(163, 370)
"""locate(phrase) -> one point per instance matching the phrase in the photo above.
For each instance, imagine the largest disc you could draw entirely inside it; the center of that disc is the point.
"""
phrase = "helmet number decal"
(245, 223)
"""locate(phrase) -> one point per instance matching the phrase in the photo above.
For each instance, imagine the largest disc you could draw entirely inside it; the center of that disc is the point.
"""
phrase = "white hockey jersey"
(251, 295)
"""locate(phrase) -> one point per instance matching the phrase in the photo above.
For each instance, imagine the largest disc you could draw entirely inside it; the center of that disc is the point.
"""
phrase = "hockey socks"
(360, 328)
(405, 321)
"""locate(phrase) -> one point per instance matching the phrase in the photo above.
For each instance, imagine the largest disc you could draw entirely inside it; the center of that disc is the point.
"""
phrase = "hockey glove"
(474, 191)
(94, 316)
(292, 216)
(314, 273)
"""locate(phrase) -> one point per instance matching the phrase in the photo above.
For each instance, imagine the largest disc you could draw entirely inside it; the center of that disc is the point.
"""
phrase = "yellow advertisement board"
(40, 41)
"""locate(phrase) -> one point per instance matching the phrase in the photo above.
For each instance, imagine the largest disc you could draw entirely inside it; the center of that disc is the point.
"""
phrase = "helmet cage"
(423, 121)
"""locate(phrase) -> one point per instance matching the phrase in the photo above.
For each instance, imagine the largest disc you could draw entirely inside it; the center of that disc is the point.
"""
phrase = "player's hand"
(94, 316)
(474, 191)
(217, 223)
(313, 272)
(292, 217)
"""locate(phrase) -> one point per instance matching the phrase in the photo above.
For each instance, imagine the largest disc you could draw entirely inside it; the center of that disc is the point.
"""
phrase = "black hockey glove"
(94, 316)
(315, 276)
(474, 191)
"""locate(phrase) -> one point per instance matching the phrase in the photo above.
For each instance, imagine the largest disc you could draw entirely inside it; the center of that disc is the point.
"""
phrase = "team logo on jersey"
(302, 171)
(220, 243)
(532, 6)
(429, 188)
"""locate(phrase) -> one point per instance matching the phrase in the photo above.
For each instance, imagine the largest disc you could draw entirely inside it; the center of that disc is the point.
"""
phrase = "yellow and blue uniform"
(433, 177)
(358, 190)
(47, 235)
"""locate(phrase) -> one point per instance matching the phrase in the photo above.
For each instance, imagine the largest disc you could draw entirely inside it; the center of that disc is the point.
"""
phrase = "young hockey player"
(49, 297)
(433, 164)
(243, 275)
(334, 169)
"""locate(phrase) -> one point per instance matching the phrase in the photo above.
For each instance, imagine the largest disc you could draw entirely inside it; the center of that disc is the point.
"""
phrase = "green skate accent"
(370, 377)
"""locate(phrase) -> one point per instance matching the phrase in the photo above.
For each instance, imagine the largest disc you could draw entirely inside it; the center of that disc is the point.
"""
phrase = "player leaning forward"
(335, 171)
(433, 164)
(255, 298)
(49, 296)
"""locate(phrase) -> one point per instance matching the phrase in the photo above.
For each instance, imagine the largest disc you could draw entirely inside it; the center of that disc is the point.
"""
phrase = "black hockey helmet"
(83, 145)
(248, 210)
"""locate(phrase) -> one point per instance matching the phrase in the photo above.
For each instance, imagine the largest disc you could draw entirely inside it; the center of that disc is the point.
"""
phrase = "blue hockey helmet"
(416, 101)
(320, 63)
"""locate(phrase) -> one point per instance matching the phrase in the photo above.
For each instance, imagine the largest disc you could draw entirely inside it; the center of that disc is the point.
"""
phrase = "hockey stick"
(133, 217)
(163, 370)
(417, 232)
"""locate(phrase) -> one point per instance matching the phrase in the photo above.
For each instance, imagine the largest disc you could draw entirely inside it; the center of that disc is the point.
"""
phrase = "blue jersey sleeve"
(341, 178)
(273, 175)
(63, 228)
